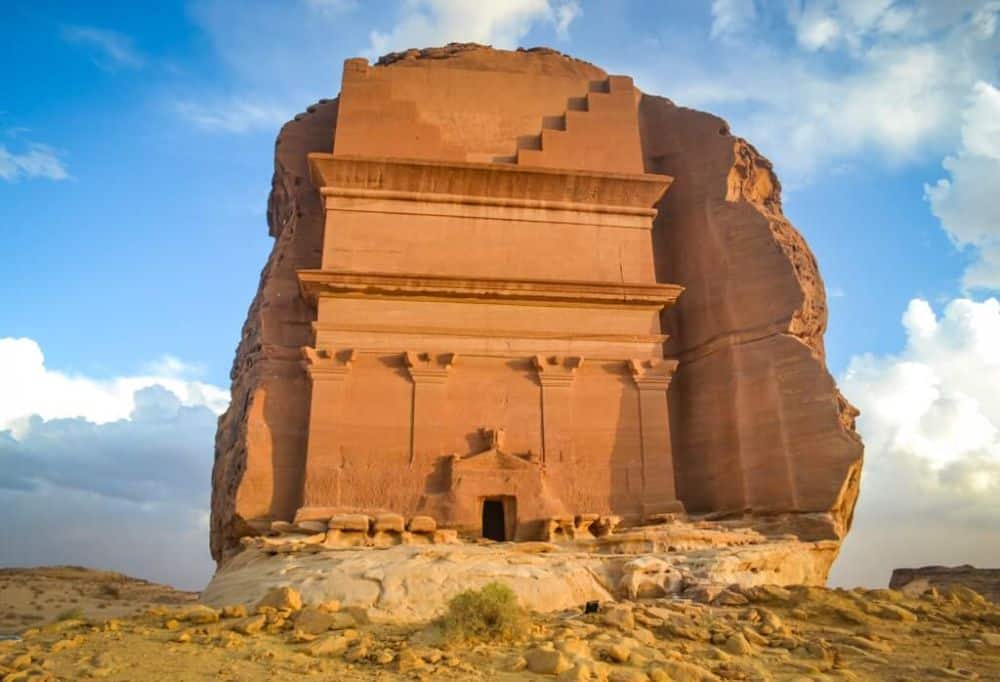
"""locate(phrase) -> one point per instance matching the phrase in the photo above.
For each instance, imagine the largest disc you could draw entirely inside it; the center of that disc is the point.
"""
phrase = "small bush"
(492, 613)
(111, 590)
(70, 614)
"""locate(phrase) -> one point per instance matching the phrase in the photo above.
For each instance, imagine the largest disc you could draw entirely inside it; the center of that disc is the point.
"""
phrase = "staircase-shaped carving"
(598, 132)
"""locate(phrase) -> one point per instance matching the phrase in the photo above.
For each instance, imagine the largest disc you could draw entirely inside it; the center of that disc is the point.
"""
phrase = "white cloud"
(829, 24)
(564, 14)
(966, 203)
(111, 50)
(29, 388)
(109, 473)
(930, 417)
(307, 41)
(37, 161)
(853, 77)
(235, 115)
(435, 22)
(732, 17)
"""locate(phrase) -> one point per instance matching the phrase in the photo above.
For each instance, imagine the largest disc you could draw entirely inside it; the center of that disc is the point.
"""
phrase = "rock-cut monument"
(511, 296)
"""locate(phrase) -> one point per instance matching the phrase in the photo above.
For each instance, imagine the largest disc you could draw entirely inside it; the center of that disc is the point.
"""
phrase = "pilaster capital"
(429, 368)
(326, 364)
(557, 370)
(652, 375)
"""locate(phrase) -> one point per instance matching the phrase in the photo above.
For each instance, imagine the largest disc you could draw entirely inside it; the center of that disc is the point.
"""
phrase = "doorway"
(494, 520)
(498, 519)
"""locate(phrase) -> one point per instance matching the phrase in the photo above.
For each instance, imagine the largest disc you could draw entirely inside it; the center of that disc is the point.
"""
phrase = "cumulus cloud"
(930, 417)
(30, 388)
(816, 84)
(108, 473)
(732, 17)
(966, 202)
(110, 49)
(435, 22)
(35, 161)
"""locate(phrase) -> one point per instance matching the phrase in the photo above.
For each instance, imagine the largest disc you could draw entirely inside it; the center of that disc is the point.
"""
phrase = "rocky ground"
(122, 629)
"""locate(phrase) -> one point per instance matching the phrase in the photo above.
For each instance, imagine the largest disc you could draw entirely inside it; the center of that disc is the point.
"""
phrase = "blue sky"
(136, 146)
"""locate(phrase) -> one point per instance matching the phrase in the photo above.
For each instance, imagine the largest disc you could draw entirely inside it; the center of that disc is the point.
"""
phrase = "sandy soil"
(41, 595)
(126, 629)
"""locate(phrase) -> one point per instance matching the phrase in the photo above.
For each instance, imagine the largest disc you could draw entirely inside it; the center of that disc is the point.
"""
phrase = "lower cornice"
(316, 284)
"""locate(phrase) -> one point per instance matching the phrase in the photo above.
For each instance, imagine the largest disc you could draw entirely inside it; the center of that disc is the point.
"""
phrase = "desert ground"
(73, 623)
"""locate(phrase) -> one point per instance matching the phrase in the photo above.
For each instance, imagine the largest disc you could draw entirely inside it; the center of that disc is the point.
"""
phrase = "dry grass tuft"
(490, 614)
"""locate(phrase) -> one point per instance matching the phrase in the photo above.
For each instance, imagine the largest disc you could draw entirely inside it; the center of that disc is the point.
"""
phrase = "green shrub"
(492, 613)
(70, 614)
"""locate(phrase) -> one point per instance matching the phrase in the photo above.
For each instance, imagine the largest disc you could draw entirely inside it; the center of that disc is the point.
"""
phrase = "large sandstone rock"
(985, 581)
(757, 423)
(411, 583)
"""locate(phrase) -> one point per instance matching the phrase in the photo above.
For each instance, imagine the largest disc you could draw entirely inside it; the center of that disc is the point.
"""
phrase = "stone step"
(530, 157)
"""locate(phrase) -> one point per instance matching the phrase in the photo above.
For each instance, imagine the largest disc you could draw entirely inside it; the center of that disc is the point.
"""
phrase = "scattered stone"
(334, 645)
(649, 577)
(546, 661)
(282, 598)
(329, 606)
(313, 621)
(236, 611)
(620, 616)
(408, 661)
(250, 625)
(581, 672)
(199, 614)
(681, 671)
(737, 645)
(729, 597)
(617, 652)
(703, 594)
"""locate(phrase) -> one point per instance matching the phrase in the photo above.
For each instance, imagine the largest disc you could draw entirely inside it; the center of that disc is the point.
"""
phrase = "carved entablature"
(431, 368)
(652, 374)
(325, 364)
(522, 187)
(556, 370)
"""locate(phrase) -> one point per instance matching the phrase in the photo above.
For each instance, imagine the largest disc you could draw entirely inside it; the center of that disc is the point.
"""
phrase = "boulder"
(546, 661)
(422, 524)
(282, 599)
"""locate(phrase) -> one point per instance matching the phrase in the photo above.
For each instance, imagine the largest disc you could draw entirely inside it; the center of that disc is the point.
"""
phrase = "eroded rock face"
(757, 423)
(260, 441)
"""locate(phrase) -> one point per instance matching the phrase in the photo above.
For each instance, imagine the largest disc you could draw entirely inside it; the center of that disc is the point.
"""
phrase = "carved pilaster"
(325, 364)
(429, 372)
(556, 374)
(652, 379)
(324, 458)
(428, 367)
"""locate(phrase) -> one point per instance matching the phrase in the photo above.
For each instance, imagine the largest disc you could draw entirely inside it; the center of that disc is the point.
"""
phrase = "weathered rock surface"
(409, 583)
(916, 581)
(757, 423)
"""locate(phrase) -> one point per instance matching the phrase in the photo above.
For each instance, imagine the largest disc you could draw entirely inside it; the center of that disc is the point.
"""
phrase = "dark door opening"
(494, 523)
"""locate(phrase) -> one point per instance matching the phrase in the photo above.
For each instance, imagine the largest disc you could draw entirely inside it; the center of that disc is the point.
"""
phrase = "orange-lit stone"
(474, 306)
